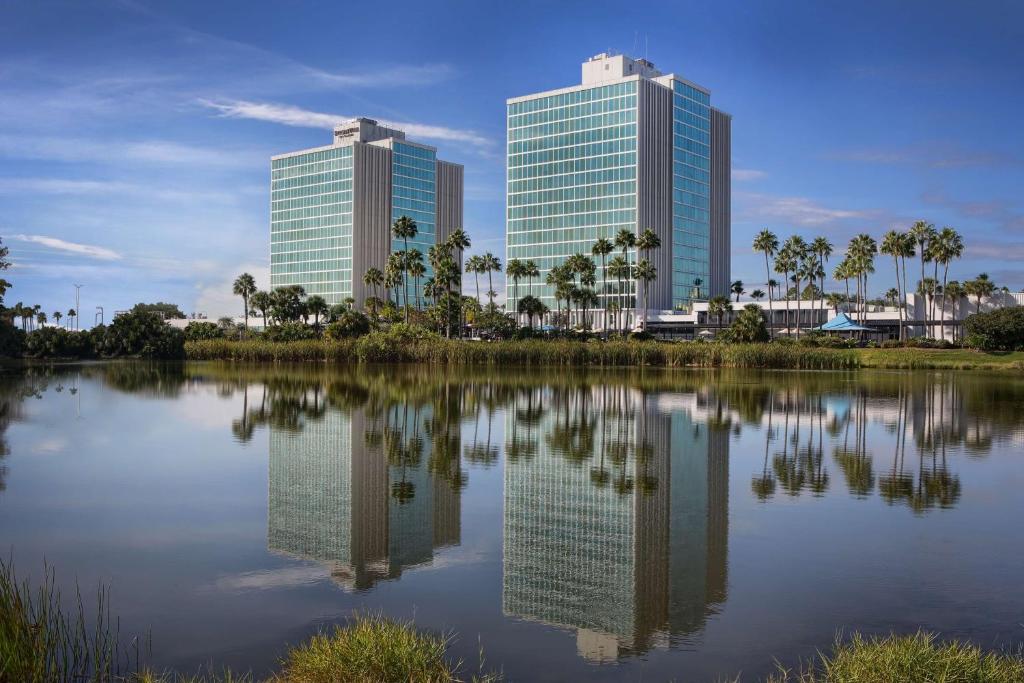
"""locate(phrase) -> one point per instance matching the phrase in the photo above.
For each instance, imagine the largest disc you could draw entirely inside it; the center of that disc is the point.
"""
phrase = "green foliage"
(289, 331)
(165, 310)
(918, 658)
(12, 340)
(348, 324)
(998, 330)
(198, 330)
(143, 334)
(748, 327)
(40, 642)
(57, 342)
(817, 340)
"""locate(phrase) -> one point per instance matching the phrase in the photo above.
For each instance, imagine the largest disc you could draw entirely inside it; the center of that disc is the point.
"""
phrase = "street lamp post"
(78, 313)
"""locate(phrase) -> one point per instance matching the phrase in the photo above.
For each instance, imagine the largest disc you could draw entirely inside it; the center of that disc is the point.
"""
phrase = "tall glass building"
(331, 208)
(630, 148)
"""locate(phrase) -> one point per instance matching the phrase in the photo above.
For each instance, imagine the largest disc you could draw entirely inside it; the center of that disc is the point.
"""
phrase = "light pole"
(78, 290)
(99, 316)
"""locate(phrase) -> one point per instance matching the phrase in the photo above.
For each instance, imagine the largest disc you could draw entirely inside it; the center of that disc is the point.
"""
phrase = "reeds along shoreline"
(384, 348)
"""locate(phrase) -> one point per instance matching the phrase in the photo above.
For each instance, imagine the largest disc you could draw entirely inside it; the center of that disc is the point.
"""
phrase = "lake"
(600, 525)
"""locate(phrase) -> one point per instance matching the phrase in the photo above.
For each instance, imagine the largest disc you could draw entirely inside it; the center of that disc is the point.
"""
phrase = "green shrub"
(198, 330)
(912, 659)
(998, 330)
(289, 332)
(12, 340)
(748, 327)
(348, 324)
(143, 334)
(57, 342)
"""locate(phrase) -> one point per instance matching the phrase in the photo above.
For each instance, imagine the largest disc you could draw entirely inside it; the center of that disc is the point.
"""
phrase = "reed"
(383, 347)
(914, 658)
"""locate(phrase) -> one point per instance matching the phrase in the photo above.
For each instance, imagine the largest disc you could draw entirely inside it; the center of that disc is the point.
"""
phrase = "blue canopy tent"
(844, 323)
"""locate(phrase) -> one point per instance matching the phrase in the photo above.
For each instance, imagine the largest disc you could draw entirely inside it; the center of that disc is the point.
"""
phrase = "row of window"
(573, 193)
(414, 151)
(573, 220)
(573, 180)
(627, 201)
(579, 239)
(573, 153)
(285, 230)
(574, 97)
(572, 125)
(692, 146)
(328, 272)
(316, 255)
(690, 92)
(312, 211)
(311, 179)
(329, 199)
(574, 112)
(311, 157)
(690, 199)
(311, 244)
(578, 166)
(315, 167)
(573, 139)
(684, 129)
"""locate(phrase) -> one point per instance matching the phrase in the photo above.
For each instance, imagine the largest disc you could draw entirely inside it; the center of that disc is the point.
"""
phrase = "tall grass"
(43, 642)
(382, 347)
(918, 658)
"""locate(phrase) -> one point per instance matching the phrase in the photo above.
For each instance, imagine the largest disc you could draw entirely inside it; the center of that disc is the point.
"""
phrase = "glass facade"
(571, 176)
(414, 186)
(311, 222)
(691, 194)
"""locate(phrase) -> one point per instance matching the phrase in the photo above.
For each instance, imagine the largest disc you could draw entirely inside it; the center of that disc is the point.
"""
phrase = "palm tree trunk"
(906, 296)
(797, 283)
(405, 278)
(942, 306)
(771, 313)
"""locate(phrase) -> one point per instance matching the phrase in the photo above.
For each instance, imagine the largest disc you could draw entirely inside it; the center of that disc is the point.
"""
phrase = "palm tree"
(459, 241)
(833, 299)
(417, 270)
(405, 228)
(625, 240)
(757, 295)
(646, 273)
(718, 306)
(892, 296)
(980, 287)
(822, 248)
(72, 314)
(515, 270)
(244, 286)
(843, 272)
(922, 232)
(474, 264)
(491, 264)
(393, 275)
(737, 289)
(949, 246)
(530, 271)
(645, 244)
(57, 315)
(797, 248)
(892, 245)
(373, 277)
(41, 318)
(767, 243)
(316, 306)
(785, 262)
(261, 301)
(618, 268)
(955, 292)
(861, 255)
(602, 247)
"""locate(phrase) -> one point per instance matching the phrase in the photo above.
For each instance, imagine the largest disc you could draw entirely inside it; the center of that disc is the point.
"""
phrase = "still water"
(651, 524)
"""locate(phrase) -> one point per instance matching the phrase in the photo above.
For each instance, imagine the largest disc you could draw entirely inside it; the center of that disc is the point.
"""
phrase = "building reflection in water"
(617, 524)
(353, 489)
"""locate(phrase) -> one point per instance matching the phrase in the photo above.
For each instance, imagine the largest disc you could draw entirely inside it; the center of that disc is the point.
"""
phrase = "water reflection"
(615, 486)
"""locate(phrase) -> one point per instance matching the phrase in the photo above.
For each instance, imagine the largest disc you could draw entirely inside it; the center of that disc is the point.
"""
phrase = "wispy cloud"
(797, 211)
(156, 152)
(75, 186)
(290, 115)
(76, 248)
(742, 174)
(937, 156)
(1001, 214)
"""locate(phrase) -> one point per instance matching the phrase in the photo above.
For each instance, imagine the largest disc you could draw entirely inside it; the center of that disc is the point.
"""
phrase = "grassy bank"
(919, 658)
(938, 359)
(385, 348)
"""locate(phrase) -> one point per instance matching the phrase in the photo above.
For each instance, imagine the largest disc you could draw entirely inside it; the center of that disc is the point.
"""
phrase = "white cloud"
(89, 250)
(158, 152)
(215, 298)
(741, 174)
(797, 211)
(74, 186)
(290, 115)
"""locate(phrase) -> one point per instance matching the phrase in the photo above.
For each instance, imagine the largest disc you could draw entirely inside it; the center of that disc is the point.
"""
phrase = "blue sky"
(135, 136)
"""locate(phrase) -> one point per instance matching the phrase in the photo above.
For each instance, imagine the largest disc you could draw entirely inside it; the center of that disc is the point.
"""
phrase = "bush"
(918, 657)
(143, 334)
(998, 330)
(748, 327)
(348, 324)
(12, 340)
(199, 330)
(289, 331)
(57, 342)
